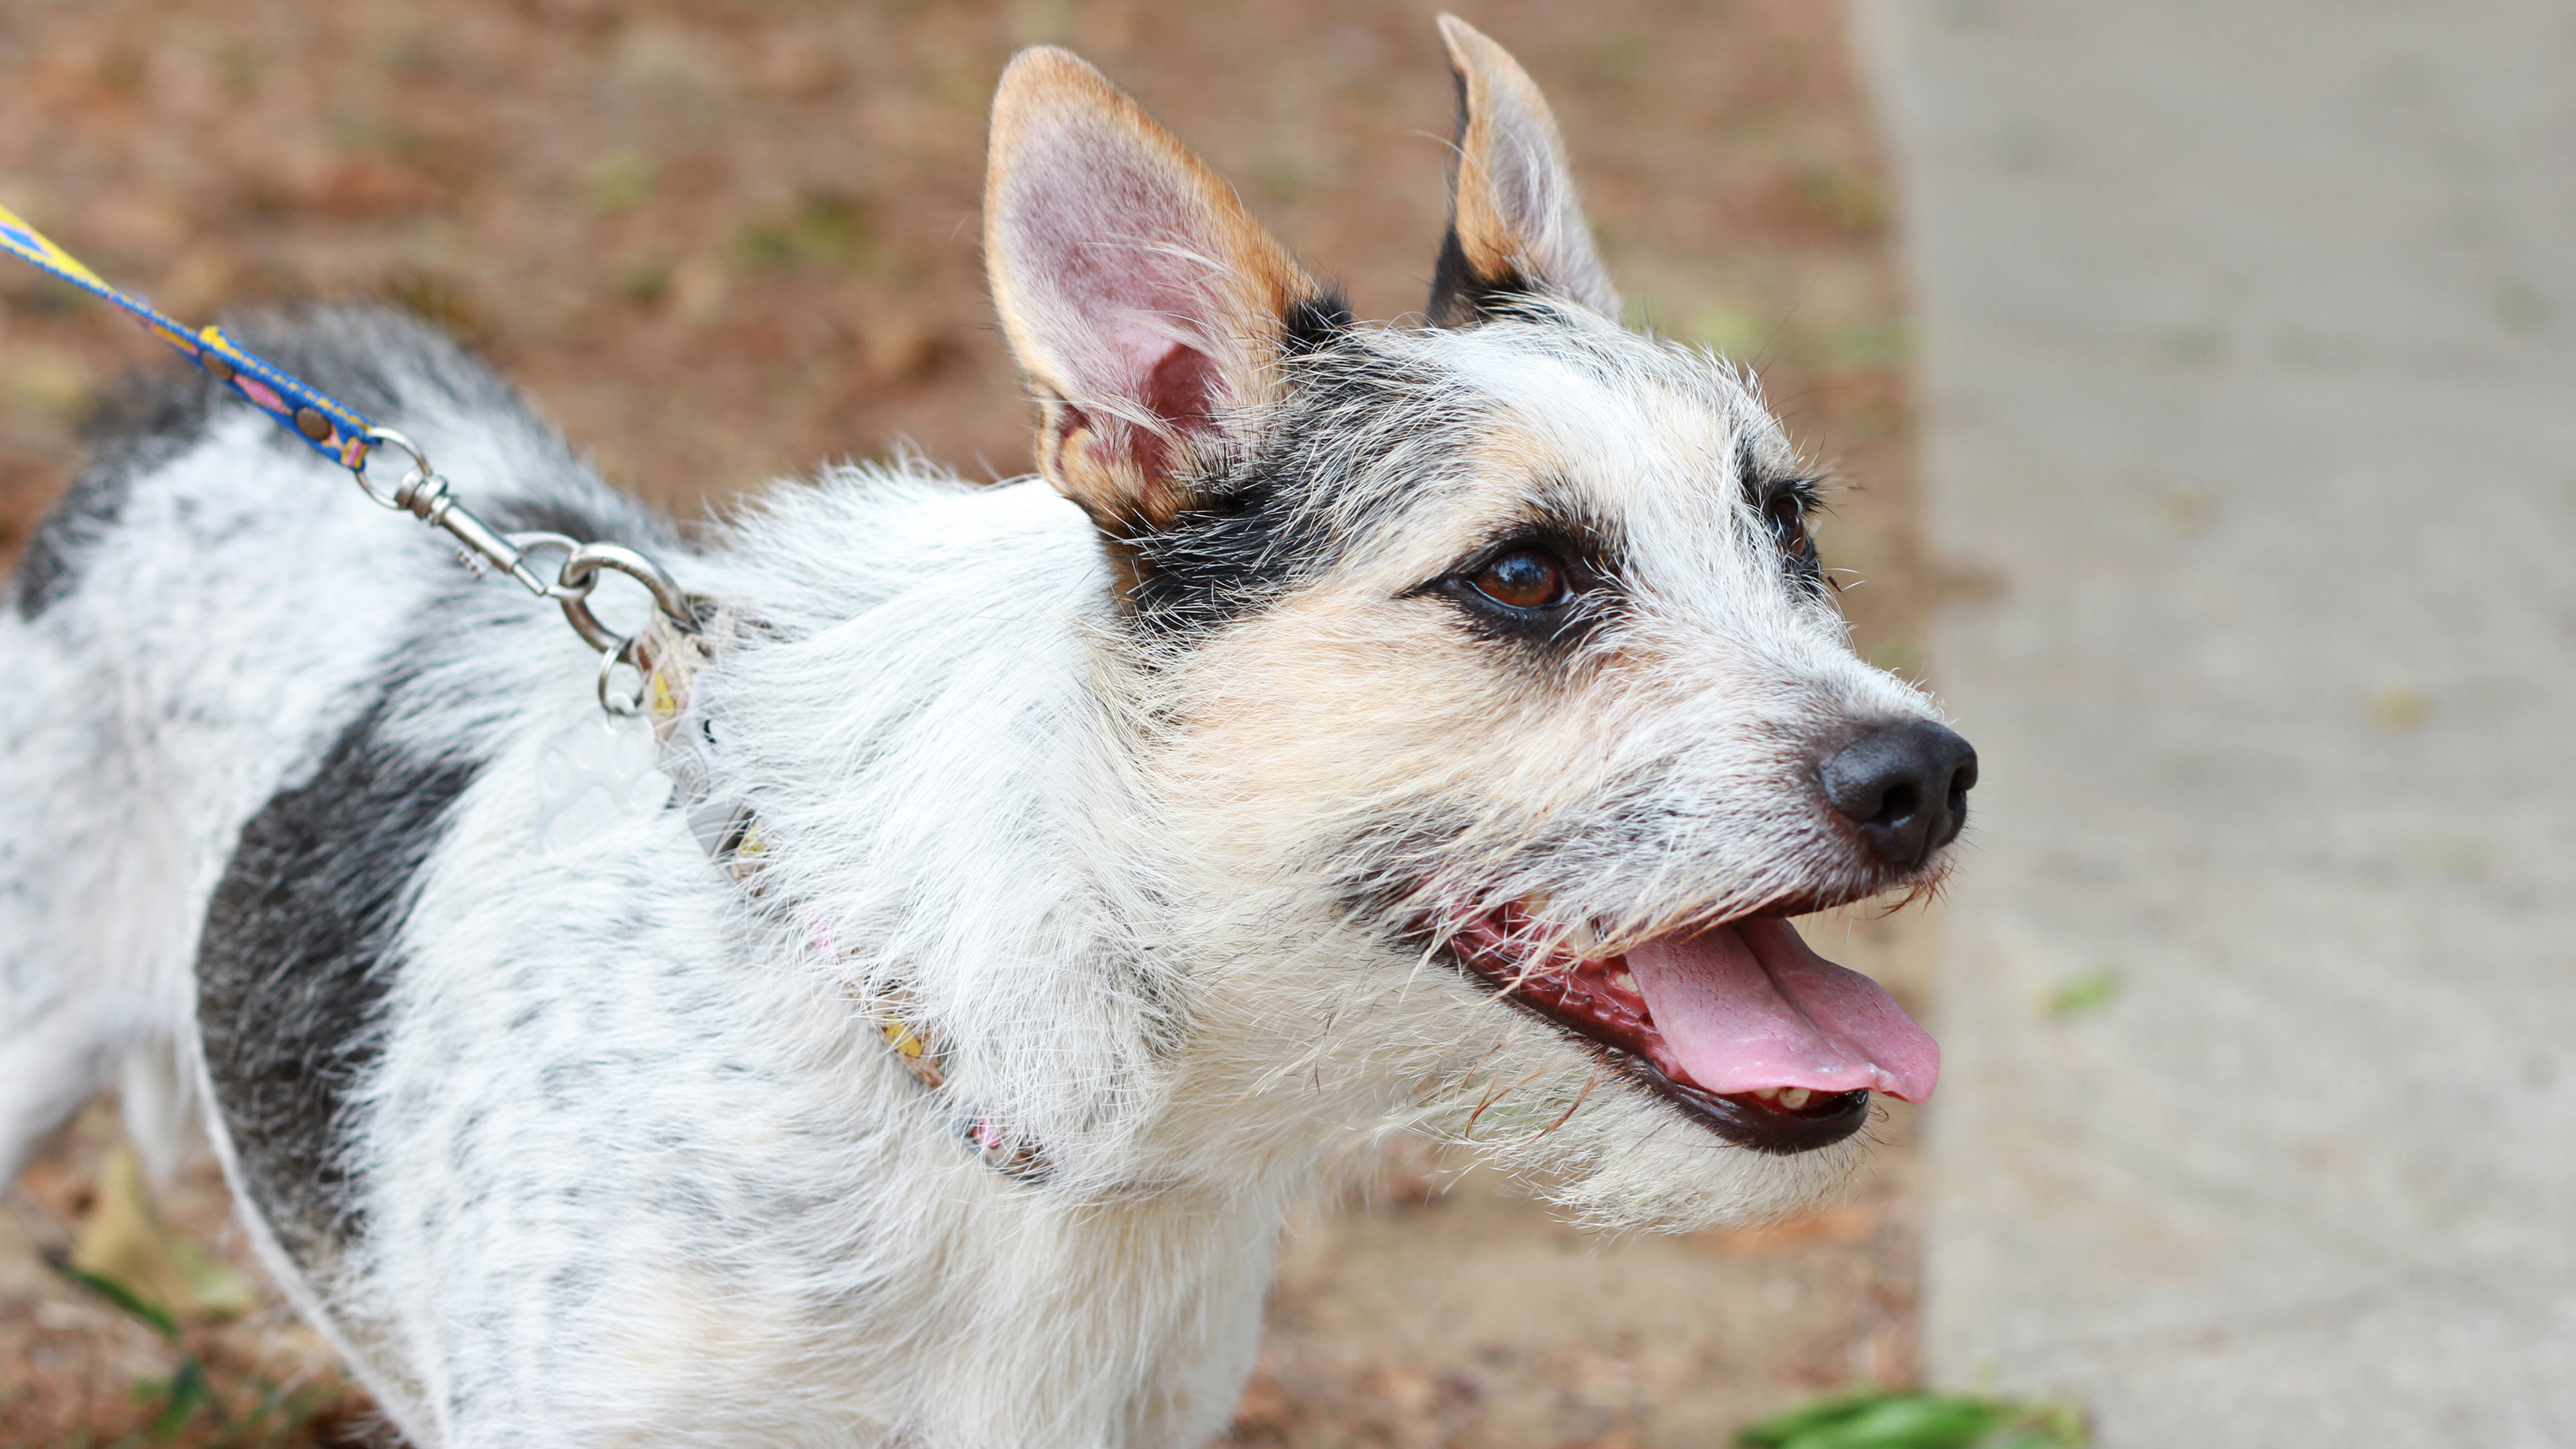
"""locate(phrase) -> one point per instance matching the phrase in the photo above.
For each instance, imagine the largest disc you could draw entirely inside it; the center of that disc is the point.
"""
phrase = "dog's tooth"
(1795, 1098)
(1623, 981)
(1767, 1094)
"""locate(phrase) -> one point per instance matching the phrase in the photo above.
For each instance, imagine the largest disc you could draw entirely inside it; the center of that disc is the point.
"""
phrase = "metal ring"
(400, 502)
(609, 699)
(582, 568)
(528, 543)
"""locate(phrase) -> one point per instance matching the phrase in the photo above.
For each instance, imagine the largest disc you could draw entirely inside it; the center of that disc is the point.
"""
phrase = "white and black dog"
(1351, 729)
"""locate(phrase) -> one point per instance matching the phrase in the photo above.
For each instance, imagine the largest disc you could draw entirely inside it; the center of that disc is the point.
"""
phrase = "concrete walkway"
(2250, 344)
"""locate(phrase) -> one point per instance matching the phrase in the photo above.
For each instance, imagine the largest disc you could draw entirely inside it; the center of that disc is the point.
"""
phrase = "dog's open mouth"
(1771, 1045)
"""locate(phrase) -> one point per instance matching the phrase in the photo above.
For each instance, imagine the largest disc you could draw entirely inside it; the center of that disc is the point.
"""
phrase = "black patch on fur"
(1314, 324)
(150, 419)
(1212, 564)
(1254, 533)
(1461, 296)
(294, 965)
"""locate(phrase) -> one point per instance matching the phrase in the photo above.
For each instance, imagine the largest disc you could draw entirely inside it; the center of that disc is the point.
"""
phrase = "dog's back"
(200, 623)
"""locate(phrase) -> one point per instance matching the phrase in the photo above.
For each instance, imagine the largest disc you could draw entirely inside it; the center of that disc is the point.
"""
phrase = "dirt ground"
(718, 241)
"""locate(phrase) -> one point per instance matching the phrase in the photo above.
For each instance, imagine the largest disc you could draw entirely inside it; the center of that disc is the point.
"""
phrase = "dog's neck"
(949, 748)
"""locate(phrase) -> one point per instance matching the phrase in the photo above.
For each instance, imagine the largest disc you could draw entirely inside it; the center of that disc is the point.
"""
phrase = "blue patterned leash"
(345, 436)
(325, 424)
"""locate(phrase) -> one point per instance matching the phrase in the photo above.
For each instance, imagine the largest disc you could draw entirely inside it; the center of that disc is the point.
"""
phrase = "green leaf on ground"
(1879, 1419)
(2084, 993)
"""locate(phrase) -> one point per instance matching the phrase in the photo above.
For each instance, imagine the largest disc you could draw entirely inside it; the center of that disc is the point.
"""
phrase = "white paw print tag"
(594, 774)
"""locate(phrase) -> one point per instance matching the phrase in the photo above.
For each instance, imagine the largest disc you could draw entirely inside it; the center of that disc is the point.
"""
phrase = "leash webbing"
(324, 423)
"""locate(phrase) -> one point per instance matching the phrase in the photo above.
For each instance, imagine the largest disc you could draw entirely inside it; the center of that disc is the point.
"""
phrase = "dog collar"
(732, 836)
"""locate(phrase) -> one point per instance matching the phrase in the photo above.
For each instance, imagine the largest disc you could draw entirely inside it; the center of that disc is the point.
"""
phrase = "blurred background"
(2203, 380)
(2248, 394)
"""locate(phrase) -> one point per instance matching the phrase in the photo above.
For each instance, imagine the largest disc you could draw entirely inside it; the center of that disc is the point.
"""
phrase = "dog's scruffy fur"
(1154, 787)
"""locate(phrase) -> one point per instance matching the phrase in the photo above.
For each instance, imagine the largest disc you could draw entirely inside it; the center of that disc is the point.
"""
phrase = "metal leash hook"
(581, 574)
(425, 495)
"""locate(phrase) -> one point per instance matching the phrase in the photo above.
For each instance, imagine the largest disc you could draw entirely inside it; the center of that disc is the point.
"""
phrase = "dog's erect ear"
(1515, 224)
(1146, 306)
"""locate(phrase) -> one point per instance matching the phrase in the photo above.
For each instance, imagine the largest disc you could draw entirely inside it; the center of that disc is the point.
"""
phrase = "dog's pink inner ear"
(1182, 388)
(1145, 306)
(1112, 288)
(1116, 310)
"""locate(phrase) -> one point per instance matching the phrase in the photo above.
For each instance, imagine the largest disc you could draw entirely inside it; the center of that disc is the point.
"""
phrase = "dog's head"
(1482, 670)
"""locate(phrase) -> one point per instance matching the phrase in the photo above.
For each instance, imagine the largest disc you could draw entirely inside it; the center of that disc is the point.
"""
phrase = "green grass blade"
(152, 1314)
(1882, 1419)
(187, 1393)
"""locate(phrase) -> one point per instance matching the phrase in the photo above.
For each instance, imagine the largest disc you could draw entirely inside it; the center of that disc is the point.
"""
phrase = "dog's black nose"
(1907, 786)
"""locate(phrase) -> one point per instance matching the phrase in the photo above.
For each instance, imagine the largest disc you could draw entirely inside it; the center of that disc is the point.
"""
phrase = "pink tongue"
(1748, 1006)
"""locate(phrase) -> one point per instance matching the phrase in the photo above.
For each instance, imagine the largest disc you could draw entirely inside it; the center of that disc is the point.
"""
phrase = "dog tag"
(594, 775)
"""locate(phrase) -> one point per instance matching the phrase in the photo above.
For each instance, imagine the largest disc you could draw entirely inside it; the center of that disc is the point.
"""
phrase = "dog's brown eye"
(1526, 578)
(1788, 521)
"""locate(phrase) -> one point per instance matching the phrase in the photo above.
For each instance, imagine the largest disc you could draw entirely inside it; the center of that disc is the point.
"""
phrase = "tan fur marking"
(1492, 245)
(1513, 210)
